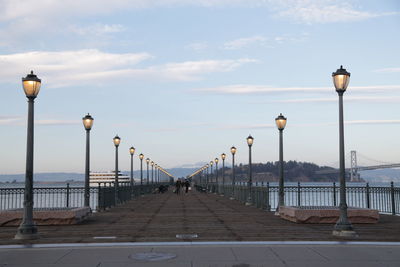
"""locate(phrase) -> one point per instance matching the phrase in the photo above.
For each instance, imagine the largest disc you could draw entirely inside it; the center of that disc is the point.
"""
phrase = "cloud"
(21, 120)
(199, 46)
(243, 42)
(248, 89)
(270, 126)
(323, 11)
(80, 67)
(98, 29)
(9, 120)
(373, 99)
(57, 122)
(388, 70)
(373, 122)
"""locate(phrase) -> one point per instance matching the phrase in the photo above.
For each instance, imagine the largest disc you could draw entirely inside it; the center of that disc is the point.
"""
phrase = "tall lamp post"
(281, 123)
(87, 123)
(343, 226)
(250, 141)
(132, 152)
(233, 151)
(156, 173)
(141, 157)
(117, 141)
(216, 177)
(147, 162)
(27, 229)
(223, 156)
(211, 175)
(207, 175)
(152, 172)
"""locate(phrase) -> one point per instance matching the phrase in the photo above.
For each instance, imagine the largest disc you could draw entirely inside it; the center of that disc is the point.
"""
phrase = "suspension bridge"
(354, 170)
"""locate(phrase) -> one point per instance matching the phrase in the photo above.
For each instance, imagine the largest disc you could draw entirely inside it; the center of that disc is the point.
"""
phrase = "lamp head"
(250, 140)
(216, 160)
(280, 122)
(147, 160)
(223, 156)
(233, 150)
(87, 122)
(31, 85)
(132, 150)
(341, 79)
(117, 140)
(141, 156)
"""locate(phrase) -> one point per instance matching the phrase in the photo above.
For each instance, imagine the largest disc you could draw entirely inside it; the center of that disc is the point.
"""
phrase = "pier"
(196, 217)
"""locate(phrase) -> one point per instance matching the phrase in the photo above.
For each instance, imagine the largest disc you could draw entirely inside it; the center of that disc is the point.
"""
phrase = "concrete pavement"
(199, 254)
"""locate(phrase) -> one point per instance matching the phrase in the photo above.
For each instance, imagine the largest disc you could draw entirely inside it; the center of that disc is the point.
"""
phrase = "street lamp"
(147, 162)
(207, 175)
(141, 157)
(250, 141)
(87, 123)
(117, 141)
(152, 172)
(27, 229)
(132, 152)
(233, 151)
(211, 175)
(216, 177)
(281, 123)
(343, 226)
(156, 174)
(223, 156)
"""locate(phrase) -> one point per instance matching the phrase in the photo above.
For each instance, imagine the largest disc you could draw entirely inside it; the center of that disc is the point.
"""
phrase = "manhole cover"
(152, 256)
(186, 236)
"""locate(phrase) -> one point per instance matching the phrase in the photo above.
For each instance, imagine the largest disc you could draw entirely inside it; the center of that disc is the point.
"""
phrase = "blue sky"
(184, 80)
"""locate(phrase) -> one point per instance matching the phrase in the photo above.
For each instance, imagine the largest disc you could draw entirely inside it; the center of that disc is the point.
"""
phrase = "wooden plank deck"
(160, 217)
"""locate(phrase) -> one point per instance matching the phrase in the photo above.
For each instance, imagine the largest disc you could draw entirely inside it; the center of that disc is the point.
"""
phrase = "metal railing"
(385, 199)
(101, 197)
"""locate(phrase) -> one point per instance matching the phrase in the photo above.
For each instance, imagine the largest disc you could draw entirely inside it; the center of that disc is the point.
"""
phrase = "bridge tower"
(354, 175)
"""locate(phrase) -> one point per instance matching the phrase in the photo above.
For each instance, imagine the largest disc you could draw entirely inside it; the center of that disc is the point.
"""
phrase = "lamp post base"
(27, 232)
(345, 233)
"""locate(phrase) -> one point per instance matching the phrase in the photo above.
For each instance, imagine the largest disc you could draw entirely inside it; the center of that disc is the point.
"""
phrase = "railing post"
(267, 204)
(392, 197)
(298, 194)
(367, 195)
(67, 195)
(334, 194)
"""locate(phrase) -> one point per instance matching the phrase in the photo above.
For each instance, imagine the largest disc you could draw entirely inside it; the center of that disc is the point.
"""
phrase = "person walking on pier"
(178, 185)
(187, 184)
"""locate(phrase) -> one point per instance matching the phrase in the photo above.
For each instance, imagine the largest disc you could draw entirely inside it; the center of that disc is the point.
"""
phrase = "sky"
(184, 80)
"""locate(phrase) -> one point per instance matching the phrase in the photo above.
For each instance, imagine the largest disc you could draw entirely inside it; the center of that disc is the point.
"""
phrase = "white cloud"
(323, 11)
(269, 126)
(57, 122)
(301, 10)
(374, 99)
(98, 29)
(64, 68)
(248, 89)
(8, 120)
(388, 70)
(199, 46)
(373, 122)
(243, 42)
(20, 121)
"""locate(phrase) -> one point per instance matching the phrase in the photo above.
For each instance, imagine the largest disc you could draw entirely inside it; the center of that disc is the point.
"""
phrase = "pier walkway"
(195, 217)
